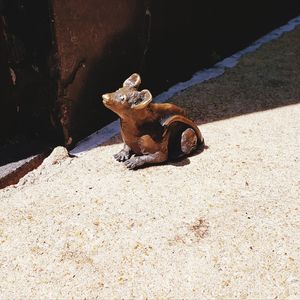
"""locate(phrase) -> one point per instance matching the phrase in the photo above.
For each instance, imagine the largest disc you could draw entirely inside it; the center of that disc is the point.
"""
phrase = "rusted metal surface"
(97, 42)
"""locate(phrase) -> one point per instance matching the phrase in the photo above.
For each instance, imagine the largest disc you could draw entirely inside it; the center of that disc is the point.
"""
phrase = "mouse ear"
(145, 97)
(133, 81)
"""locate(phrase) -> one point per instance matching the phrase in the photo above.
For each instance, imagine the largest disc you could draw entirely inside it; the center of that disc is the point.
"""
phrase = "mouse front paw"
(122, 155)
(134, 162)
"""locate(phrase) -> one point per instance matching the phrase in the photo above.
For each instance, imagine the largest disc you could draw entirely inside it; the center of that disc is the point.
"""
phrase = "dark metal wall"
(98, 44)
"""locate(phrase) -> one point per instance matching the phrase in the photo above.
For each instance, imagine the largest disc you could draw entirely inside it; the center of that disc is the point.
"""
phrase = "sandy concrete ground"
(221, 224)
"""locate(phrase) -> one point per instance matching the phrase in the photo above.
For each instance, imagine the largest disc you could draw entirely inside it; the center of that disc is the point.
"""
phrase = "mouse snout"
(105, 97)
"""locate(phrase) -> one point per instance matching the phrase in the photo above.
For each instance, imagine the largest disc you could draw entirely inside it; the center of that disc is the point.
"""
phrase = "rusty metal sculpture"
(147, 138)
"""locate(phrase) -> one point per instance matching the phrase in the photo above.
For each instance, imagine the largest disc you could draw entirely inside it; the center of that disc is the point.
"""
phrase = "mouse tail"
(184, 122)
(174, 127)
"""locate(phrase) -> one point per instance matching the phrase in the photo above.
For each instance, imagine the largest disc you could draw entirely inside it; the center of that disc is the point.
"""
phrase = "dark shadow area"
(191, 36)
(26, 108)
(266, 80)
(180, 163)
(21, 148)
(184, 160)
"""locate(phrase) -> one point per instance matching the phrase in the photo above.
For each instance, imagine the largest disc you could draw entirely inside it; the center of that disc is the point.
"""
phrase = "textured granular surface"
(224, 223)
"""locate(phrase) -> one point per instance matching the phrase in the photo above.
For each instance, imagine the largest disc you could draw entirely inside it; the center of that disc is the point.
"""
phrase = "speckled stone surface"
(222, 224)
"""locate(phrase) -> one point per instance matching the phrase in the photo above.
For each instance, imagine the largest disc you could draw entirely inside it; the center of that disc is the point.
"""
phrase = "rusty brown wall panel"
(98, 43)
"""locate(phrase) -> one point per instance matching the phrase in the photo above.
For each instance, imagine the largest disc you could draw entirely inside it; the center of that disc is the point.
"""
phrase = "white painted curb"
(104, 134)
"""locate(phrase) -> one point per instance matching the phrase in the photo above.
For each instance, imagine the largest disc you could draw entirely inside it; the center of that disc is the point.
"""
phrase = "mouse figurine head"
(127, 98)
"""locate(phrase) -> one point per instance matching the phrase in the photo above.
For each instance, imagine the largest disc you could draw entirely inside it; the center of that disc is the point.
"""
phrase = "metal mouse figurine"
(147, 138)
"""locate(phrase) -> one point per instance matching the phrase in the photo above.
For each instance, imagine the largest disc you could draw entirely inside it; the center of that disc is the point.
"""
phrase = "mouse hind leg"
(189, 141)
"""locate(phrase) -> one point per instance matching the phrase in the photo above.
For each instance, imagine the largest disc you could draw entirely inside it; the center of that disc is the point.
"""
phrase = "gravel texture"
(222, 224)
